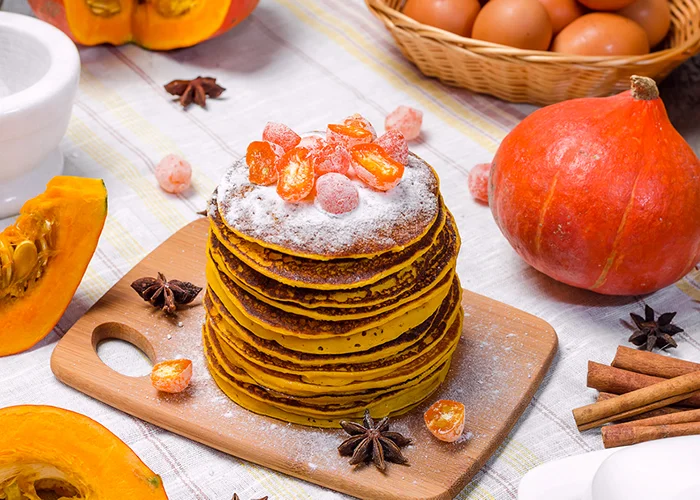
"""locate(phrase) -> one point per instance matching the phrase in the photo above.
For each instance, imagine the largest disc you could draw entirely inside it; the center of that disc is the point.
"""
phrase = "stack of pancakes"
(312, 318)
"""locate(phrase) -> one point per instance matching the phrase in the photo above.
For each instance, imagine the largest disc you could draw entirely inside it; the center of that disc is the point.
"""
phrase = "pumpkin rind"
(39, 442)
(600, 193)
(156, 24)
(76, 207)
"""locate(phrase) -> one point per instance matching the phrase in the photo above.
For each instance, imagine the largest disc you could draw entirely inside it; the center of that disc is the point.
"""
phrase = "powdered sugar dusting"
(381, 222)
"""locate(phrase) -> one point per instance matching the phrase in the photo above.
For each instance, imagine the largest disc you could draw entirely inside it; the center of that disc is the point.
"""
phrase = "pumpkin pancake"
(336, 344)
(429, 350)
(383, 403)
(339, 274)
(234, 392)
(294, 387)
(386, 222)
(216, 357)
(285, 323)
(231, 328)
(430, 286)
(392, 291)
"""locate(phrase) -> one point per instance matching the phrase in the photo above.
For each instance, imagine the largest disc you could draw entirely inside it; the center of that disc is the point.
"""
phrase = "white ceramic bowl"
(39, 73)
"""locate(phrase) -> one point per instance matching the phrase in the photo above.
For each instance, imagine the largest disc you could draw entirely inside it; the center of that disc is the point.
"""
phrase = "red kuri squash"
(601, 193)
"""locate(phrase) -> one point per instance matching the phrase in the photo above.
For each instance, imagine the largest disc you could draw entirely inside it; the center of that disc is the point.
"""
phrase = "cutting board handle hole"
(124, 349)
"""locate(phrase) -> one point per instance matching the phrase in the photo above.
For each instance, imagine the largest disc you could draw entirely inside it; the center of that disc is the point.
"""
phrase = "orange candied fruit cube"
(296, 175)
(348, 135)
(359, 121)
(262, 158)
(173, 375)
(445, 420)
(375, 167)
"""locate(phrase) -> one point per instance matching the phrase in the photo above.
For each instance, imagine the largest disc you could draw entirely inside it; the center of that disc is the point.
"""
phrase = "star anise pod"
(236, 497)
(654, 332)
(370, 442)
(196, 90)
(165, 294)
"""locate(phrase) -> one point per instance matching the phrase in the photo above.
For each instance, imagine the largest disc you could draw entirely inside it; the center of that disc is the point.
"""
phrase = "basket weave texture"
(532, 76)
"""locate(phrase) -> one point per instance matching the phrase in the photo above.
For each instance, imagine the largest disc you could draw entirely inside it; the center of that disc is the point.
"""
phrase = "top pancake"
(383, 222)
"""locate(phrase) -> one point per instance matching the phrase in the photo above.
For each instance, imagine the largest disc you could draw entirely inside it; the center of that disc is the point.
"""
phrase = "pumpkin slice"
(93, 22)
(154, 24)
(48, 452)
(163, 24)
(43, 257)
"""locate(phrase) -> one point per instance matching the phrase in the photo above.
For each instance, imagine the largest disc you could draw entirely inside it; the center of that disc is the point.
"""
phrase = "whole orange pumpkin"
(601, 193)
(153, 24)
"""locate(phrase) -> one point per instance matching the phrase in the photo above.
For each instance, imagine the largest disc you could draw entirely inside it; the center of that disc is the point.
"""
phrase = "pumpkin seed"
(5, 264)
(175, 8)
(25, 260)
(104, 8)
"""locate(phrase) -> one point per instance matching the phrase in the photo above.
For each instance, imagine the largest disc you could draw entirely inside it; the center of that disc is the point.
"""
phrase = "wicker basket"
(536, 77)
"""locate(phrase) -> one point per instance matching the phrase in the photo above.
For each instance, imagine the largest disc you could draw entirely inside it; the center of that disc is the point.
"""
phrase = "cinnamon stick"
(666, 410)
(606, 378)
(682, 417)
(650, 363)
(633, 403)
(623, 435)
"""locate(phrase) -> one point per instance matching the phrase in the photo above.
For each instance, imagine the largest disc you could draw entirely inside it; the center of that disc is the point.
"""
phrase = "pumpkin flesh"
(48, 452)
(43, 257)
(600, 193)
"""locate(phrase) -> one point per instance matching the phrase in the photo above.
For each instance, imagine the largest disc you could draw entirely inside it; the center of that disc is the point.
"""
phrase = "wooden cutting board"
(502, 357)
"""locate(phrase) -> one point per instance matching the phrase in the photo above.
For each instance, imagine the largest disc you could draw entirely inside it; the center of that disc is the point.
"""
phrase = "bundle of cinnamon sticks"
(653, 396)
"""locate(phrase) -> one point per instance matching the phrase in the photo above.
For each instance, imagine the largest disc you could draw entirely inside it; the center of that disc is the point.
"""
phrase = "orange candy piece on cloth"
(479, 182)
(406, 120)
(445, 420)
(262, 158)
(296, 175)
(173, 375)
(375, 167)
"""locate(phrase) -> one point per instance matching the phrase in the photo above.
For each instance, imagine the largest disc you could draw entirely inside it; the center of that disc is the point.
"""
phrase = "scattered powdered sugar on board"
(381, 222)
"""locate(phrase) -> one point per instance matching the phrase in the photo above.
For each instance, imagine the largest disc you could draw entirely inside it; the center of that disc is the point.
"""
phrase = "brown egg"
(602, 34)
(606, 4)
(456, 16)
(562, 12)
(652, 15)
(523, 24)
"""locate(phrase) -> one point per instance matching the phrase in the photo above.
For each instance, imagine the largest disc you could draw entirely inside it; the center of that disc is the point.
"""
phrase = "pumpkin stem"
(644, 88)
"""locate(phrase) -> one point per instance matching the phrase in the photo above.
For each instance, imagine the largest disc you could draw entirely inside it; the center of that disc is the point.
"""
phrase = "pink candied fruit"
(395, 145)
(281, 134)
(312, 142)
(406, 120)
(331, 158)
(479, 182)
(174, 174)
(336, 194)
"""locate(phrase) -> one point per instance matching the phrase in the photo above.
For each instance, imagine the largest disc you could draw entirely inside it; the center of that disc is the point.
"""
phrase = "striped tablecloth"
(306, 63)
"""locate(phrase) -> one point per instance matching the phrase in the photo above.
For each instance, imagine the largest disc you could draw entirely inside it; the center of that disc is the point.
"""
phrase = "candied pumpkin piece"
(375, 167)
(445, 420)
(296, 175)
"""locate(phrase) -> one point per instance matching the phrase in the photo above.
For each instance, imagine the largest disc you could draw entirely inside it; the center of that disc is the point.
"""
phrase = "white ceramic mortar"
(39, 73)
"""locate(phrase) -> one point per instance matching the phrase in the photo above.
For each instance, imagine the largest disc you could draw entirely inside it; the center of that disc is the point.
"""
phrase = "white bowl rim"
(64, 62)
